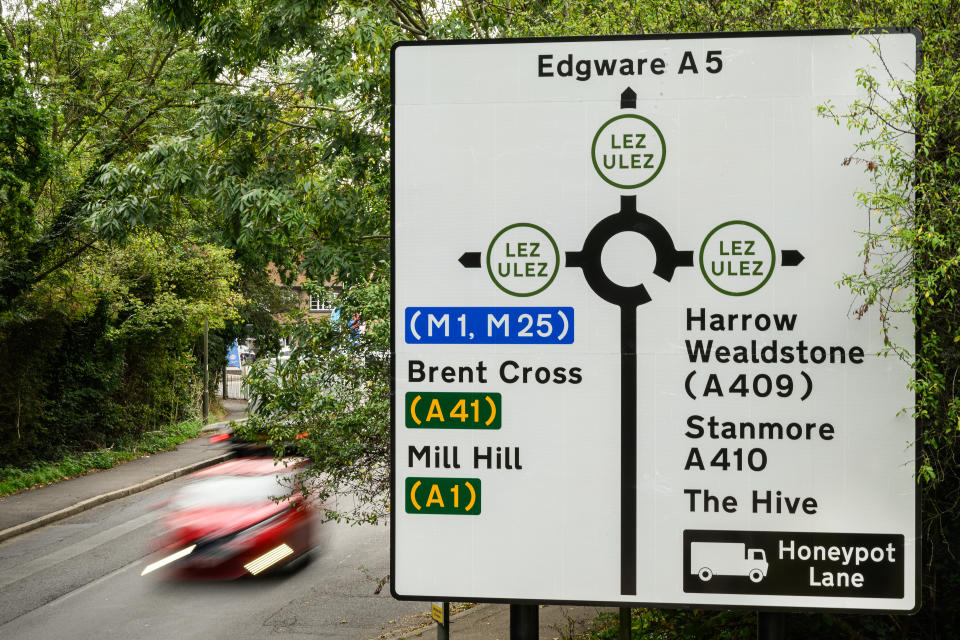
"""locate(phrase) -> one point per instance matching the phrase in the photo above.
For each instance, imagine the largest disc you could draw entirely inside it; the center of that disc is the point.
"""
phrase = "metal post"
(771, 625)
(524, 622)
(206, 371)
(443, 628)
(625, 620)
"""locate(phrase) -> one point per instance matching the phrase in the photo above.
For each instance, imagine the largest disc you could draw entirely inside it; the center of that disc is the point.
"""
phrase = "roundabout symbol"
(736, 258)
(628, 219)
(668, 258)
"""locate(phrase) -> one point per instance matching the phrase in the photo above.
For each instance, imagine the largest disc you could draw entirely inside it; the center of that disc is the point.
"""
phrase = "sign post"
(524, 622)
(624, 373)
(440, 612)
(625, 623)
(771, 625)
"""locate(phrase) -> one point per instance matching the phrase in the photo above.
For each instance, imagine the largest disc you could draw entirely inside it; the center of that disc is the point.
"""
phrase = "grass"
(13, 479)
(658, 624)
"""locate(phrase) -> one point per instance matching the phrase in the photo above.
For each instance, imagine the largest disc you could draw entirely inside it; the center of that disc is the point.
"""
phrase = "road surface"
(80, 578)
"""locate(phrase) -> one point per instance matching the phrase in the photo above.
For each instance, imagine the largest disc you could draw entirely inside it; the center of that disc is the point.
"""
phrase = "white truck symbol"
(708, 559)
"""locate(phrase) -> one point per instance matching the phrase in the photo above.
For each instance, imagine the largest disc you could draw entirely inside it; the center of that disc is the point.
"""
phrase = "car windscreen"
(228, 491)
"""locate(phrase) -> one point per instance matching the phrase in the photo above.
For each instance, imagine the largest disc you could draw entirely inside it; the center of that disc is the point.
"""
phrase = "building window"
(317, 304)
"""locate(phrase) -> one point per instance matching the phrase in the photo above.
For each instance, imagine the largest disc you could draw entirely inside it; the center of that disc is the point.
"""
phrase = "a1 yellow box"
(448, 496)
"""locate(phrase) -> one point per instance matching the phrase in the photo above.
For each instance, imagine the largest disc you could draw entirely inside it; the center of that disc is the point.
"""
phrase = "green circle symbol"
(646, 165)
(527, 262)
(740, 252)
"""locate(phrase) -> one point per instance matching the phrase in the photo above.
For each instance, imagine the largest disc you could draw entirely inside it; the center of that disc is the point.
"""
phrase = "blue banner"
(488, 325)
(233, 355)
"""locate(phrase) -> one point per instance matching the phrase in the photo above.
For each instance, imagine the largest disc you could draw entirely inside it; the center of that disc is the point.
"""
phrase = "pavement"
(35, 508)
(491, 621)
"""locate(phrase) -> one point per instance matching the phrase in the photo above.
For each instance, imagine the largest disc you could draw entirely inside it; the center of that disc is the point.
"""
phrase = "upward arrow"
(628, 99)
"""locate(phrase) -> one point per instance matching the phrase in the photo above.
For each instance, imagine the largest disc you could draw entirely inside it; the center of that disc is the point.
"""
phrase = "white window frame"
(317, 305)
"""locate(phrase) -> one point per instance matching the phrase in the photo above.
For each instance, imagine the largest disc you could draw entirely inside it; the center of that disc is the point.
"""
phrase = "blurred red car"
(238, 518)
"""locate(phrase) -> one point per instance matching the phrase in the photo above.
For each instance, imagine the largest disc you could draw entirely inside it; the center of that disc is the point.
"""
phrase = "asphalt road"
(80, 578)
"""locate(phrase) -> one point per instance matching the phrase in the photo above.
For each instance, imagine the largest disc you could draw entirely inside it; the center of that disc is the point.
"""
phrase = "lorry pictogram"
(708, 559)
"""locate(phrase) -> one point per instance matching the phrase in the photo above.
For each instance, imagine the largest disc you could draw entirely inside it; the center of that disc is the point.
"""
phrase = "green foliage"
(13, 479)
(912, 244)
(113, 356)
(21, 382)
(652, 624)
(109, 81)
(79, 386)
(160, 286)
(335, 388)
(25, 157)
(288, 164)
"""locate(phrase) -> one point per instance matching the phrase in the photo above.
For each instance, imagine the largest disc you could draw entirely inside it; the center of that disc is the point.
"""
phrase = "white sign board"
(624, 371)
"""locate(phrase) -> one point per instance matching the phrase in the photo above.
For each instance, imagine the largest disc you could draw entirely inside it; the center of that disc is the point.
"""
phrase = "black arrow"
(470, 259)
(628, 99)
(790, 257)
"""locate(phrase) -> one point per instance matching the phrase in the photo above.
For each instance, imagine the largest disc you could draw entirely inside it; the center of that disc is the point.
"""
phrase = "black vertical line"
(628, 450)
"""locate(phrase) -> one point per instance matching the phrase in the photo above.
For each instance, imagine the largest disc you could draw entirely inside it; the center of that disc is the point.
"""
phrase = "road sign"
(623, 370)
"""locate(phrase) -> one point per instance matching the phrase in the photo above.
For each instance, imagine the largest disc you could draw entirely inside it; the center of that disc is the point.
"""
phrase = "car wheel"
(705, 574)
(756, 575)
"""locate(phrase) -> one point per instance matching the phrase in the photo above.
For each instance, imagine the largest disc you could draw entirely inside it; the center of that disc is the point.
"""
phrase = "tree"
(332, 399)
(25, 157)
(110, 80)
(296, 152)
(96, 325)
